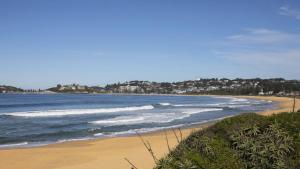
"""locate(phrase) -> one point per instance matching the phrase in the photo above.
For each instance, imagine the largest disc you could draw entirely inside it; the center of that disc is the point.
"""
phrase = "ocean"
(28, 120)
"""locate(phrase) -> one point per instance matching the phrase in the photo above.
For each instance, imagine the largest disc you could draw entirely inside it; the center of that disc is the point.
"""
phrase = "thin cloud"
(263, 47)
(284, 58)
(287, 11)
(263, 36)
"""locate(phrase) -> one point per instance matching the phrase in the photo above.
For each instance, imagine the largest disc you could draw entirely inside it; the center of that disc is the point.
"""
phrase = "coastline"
(109, 153)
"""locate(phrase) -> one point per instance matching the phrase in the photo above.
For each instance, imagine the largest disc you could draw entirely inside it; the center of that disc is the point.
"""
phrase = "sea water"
(40, 119)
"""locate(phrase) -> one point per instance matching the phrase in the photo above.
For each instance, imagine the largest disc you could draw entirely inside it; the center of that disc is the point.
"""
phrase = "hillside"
(223, 86)
(9, 89)
(245, 141)
(76, 88)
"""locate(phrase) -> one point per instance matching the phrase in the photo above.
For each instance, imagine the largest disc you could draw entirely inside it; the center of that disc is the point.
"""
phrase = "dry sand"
(107, 153)
(285, 104)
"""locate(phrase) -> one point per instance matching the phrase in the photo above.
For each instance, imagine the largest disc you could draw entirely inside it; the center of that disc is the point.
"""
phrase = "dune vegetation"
(249, 141)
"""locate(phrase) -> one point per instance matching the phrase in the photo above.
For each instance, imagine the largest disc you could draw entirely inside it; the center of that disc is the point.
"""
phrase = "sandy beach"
(108, 153)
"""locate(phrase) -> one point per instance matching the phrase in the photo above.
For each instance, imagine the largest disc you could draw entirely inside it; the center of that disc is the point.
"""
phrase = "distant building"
(130, 89)
(261, 93)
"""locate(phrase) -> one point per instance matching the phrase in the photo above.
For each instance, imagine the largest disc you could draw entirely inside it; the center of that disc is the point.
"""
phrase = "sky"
(96, 42)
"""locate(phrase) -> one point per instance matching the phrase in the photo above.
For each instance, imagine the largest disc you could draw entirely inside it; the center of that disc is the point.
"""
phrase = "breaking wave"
(165, 104)
(50, 113)
(151, 117)
(202, 110)
(134, 131)
(14, 145)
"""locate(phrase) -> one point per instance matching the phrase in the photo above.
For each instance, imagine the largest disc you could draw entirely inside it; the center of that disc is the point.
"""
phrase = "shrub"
(263, 148)
(244, 141)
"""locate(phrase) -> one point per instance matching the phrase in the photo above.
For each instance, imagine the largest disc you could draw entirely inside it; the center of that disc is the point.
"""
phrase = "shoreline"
(110, 152)
(25, 145)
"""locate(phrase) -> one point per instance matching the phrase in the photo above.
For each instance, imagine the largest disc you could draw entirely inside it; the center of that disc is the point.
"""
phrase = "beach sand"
(108, 153)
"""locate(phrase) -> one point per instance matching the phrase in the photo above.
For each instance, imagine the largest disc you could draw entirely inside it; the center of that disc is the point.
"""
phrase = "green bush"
(263, 147)
(244, 141)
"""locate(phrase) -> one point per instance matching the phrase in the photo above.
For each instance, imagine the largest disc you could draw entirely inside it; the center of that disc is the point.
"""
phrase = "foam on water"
(151, 117)
(13, 145)
(221, 97)
(75, 139)
(165, 104)
(223, 105)
(98, 134)
(120, 120)
(141, 118)
(134, 131)
(50, 113)
(239, 99)
(116, 116)
(187, 105)
(202, 110)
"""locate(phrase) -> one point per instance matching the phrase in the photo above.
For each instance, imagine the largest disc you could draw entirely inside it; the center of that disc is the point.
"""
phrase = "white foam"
(78, 111)
(165, 104)
(202, 110)
(239, 100)
(99, 134)
(222, 97)
(222, 104)
(187, 105)
(151, 117)
(233, 99)
(74, 139)
(141, 130)
(120, 120)
(217, 104)
(236, 106)
(141, 118)
(14, 145)
(199, 105)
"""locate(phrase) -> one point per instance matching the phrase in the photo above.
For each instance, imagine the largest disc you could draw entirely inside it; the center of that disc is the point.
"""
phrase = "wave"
(144, 118)
(35, 104)
(209, 105)
(221, 97)
(239, 105)
(118, 120)
(98, 134)
(141, 119)
(165, 104)
(50, 113)
(223, 104)
(187, 105)
(202, 110)
(134, 131)
(74, 139)
(235, 99)
(13, 145)
(239, 100)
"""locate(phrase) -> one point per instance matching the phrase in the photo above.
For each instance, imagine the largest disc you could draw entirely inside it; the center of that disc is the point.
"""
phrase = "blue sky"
(46, 42)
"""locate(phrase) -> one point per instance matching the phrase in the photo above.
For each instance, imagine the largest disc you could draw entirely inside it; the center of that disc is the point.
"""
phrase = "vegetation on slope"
(245, 141)
(4, 89)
